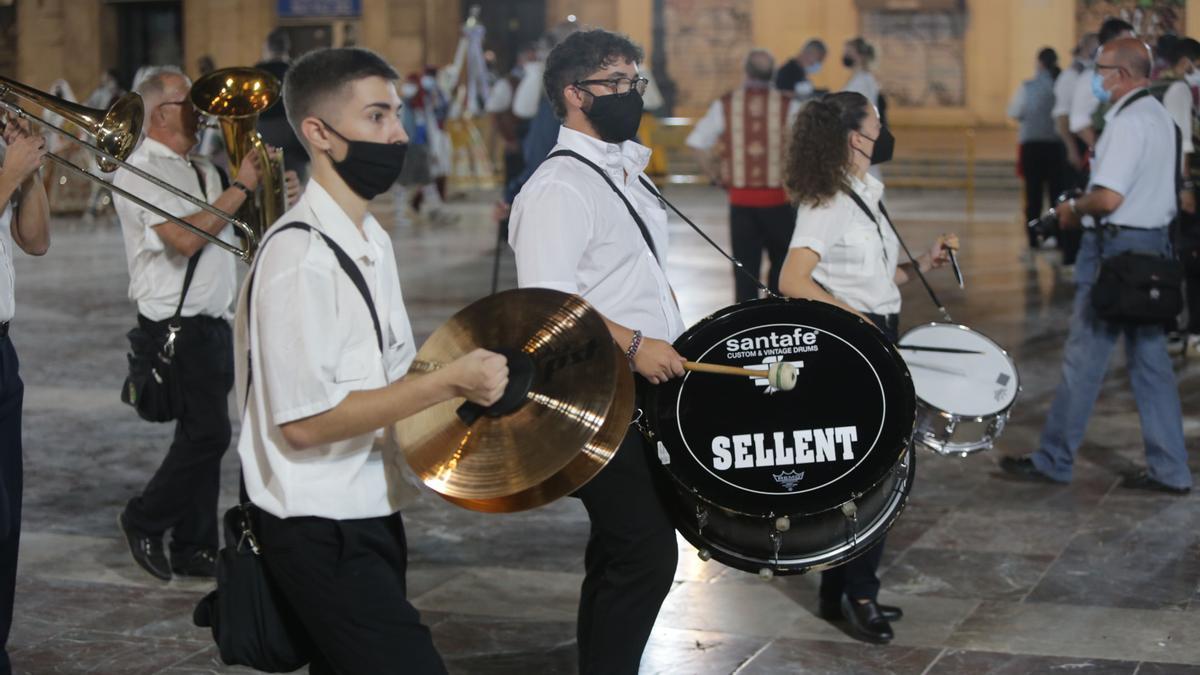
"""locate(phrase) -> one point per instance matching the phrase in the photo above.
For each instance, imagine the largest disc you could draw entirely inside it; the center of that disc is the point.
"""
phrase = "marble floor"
(994, 576)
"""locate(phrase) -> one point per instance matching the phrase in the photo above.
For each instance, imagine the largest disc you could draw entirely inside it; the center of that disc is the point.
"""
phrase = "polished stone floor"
(994, 576)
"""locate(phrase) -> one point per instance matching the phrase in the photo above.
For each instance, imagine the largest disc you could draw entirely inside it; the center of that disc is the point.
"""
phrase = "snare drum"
(963, 397)
(782, 482)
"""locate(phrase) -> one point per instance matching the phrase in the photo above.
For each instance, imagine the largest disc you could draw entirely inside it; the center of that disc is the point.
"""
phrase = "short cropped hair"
(279, 42)
(152, 80)
(321, 75)
(1111, 28)
(580, 55)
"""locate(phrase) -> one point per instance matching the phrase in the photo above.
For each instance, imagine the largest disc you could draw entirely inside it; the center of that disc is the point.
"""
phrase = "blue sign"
(291, 9)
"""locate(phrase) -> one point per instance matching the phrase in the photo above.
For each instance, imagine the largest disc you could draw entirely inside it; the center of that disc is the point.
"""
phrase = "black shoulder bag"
(1135, 287)
(251, 624)
(152, 385)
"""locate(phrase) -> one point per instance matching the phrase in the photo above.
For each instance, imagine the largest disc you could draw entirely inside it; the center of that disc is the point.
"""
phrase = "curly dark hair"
(819, 155)
(580, 55)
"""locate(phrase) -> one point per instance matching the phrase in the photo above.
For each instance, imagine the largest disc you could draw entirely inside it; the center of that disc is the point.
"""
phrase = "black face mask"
(616, 117)
(885, 144)
(369, 168)
(847, 61)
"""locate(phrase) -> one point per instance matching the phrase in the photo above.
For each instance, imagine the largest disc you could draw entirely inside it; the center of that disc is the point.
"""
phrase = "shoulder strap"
(1141, 94)
(187, 282)
(865, 209)
(632, 211)
(347, 265)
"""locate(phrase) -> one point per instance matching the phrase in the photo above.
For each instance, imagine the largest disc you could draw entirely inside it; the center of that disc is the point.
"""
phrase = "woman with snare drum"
(845, 252)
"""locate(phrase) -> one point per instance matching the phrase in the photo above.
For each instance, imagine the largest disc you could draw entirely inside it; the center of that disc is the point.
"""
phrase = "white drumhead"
(968, 385)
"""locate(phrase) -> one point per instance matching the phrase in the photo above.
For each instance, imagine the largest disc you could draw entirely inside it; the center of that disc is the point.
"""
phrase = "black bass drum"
(783, 482)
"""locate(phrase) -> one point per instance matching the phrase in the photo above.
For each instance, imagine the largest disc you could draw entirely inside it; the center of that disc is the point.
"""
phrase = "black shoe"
(1142, 481)
(146, 549)
(1022, 466)
(201, 563)
(832, 611)
(866, 621)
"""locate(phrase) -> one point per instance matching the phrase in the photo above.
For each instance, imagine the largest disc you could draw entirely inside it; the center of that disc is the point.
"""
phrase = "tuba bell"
(236, 96)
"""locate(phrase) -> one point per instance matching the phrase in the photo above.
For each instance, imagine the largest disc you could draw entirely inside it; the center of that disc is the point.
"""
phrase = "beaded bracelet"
(634, 345)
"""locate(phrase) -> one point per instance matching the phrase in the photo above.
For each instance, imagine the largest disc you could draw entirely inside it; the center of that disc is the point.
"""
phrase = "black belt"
(4, 329)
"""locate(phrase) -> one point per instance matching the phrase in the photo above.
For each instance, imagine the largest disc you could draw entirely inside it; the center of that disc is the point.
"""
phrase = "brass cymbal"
(564, 345)
(587, 463)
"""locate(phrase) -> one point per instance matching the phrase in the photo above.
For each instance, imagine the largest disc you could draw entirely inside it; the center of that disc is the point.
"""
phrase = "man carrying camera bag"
(1130, 201)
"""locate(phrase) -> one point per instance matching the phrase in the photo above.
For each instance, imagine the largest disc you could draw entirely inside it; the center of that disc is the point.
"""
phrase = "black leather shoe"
(832, 611)
(146, 549)
(201, 563)
(1022, 466)
(1142, 481)
(866, 622)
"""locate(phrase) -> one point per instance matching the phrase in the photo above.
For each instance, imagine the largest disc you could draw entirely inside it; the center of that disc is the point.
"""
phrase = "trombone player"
(182, 494)
(24, 221)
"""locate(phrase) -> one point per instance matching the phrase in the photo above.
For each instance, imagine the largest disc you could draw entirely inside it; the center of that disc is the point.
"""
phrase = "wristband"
(242, 186)
(634, 345)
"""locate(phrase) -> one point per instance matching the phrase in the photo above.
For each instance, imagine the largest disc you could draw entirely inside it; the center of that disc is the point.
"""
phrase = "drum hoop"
(865, 455)
(989, 340)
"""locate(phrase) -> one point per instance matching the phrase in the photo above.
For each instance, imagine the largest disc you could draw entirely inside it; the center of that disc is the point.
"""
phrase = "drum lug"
(766, 574)
(701, 518)
(951, 425)
(704, 554)
(783, 524)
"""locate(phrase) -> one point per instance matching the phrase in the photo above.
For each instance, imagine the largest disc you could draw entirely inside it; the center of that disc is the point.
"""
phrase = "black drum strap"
(916, 266)
(737, 264)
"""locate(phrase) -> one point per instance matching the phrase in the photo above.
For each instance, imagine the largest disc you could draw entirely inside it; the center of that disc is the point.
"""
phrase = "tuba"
(236, 96)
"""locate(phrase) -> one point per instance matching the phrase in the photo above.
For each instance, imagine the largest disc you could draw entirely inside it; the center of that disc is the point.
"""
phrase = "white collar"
(869, 187)
(630, 156)
(1116, 105)
(333, 221)
(155, 148)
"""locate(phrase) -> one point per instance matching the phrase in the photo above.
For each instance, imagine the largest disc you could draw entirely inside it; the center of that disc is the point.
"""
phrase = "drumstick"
(958, 276)
(943, 350)
(780, 375)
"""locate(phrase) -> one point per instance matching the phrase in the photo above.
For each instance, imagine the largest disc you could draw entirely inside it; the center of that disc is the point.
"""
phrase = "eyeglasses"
(620, 85)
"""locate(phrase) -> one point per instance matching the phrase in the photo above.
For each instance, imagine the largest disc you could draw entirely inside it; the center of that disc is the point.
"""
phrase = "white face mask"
(1193, 78)
(427, 82)
(408, 90)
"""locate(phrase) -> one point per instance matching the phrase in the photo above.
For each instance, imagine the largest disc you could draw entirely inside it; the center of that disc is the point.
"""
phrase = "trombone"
(116, 131)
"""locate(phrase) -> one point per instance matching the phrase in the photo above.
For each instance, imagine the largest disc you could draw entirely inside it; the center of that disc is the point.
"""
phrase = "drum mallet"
(781, 375)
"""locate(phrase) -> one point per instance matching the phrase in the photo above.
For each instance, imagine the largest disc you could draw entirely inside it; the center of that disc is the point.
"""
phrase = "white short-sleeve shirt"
(1135, 157)
(8, 279)
(312, 342)
(156, 271)
(857, 258)
(572, 233)
(1064, 91)
(1178, 101)
(1083, 102)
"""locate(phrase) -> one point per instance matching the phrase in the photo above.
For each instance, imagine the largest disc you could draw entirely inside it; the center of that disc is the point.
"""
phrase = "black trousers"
(1042, 165)
(751, 229)
(12, 393)
(345, 580)
(629, 564)
(182, 494)
(859, 579)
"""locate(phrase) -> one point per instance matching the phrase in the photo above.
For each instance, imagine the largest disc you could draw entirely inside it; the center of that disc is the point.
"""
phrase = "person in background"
(1042, 151)
(510, 128)
(1175, 88)
(1074, 170)
(741, 143)
(272, 122)
(794, 76)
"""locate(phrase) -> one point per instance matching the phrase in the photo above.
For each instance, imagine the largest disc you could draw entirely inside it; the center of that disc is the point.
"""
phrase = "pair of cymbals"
(567, 408)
